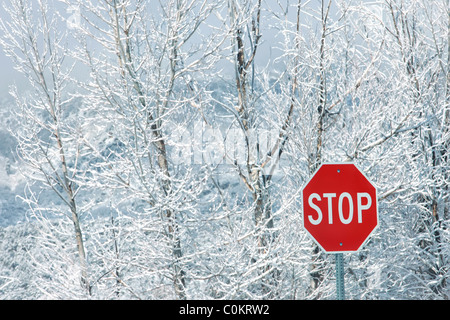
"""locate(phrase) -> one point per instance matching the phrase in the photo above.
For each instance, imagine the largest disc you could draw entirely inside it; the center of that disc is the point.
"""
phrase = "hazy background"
(8, 75)
(268, 49)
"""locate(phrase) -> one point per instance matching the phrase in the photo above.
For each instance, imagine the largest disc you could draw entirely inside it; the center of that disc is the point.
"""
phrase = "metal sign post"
(340, 212)
(340, 288)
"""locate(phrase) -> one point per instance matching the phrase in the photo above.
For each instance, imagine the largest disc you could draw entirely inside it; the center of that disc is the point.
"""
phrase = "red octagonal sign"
(340, 207)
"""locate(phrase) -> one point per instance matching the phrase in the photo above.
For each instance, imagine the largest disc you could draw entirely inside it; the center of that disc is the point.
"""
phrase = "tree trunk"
(126, 63)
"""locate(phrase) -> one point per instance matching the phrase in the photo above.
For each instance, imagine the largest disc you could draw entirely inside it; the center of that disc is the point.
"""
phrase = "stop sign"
(340, 208)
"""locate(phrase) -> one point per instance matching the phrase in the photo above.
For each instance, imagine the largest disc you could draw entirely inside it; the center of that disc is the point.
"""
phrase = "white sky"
(9, 76)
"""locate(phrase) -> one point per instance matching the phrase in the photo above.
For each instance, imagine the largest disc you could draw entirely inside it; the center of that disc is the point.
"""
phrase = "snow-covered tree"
(47, 136)
(175, 138)
(142, 88)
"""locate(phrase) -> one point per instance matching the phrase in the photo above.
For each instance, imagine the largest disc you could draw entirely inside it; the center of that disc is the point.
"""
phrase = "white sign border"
(376, 201)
